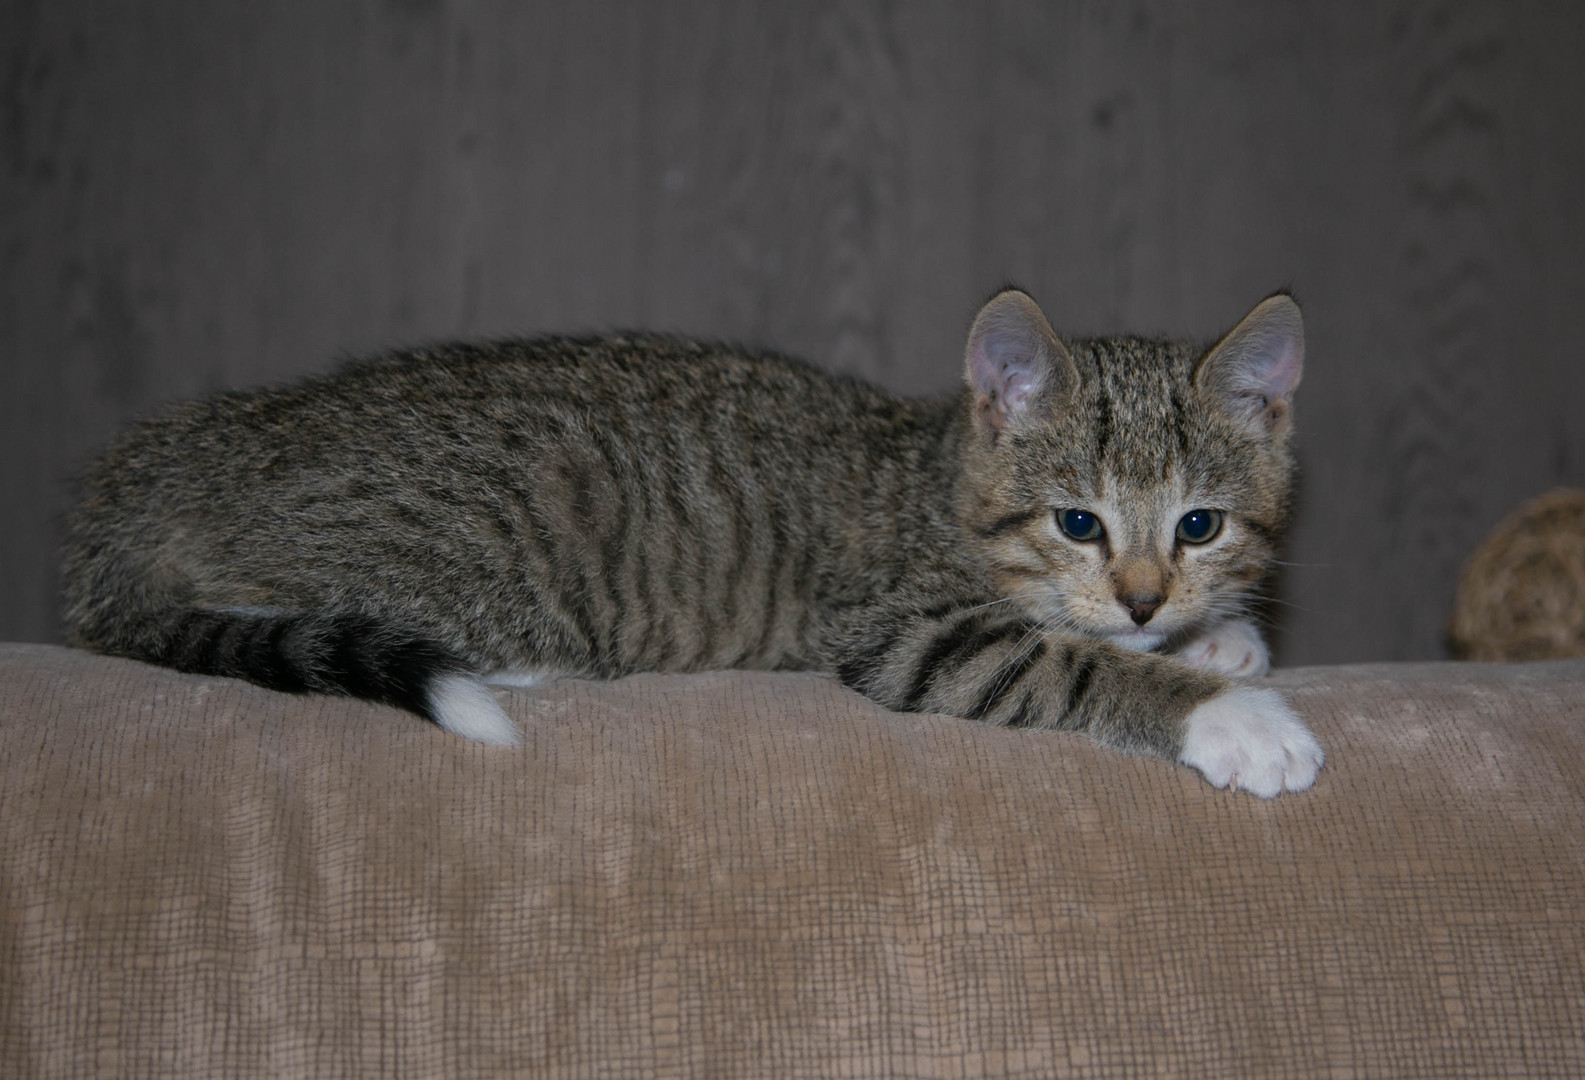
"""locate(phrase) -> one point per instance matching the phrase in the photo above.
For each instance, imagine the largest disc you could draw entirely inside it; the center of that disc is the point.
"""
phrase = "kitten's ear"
(1015, 364)
(1254, 369)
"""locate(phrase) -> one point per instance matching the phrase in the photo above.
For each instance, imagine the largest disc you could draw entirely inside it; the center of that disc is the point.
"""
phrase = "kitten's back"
(608, 503)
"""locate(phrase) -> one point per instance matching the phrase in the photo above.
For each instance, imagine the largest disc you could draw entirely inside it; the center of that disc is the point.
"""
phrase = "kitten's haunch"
(1071, 542)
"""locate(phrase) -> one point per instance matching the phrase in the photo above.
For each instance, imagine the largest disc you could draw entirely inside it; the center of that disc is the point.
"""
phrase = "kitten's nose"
(1141, 608)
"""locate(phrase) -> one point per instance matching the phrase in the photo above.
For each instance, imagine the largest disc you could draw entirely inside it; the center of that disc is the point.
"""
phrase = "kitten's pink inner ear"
(1256, 367)
(1015, 363)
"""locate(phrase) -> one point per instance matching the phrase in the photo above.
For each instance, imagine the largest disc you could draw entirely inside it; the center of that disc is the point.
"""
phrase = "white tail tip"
(464, 706)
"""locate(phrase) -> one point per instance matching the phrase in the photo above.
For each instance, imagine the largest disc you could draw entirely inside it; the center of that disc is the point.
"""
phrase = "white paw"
(1233, 647)
(1249, 738)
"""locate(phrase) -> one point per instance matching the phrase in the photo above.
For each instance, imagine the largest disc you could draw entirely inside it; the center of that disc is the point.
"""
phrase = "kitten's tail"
(342, 653)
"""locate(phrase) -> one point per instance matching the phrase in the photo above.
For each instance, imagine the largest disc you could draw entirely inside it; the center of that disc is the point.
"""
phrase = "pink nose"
(1141, 608)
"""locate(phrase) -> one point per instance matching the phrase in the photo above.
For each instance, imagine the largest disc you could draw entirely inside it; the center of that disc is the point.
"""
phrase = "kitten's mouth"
(1140, 638)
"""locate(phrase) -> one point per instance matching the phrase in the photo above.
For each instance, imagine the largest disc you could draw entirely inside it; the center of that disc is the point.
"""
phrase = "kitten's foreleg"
(974, 662)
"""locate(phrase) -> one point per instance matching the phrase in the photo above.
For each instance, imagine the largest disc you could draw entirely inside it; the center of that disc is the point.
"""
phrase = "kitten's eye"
(1080, 524)
(1200, 526)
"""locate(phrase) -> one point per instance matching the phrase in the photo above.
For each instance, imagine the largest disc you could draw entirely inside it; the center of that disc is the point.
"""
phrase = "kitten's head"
(1123, 488)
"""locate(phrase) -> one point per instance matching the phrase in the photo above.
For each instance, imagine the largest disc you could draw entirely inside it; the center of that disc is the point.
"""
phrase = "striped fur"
(599, 506)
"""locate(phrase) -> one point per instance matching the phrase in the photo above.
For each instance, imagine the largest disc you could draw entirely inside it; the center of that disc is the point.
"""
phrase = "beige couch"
(748, 875)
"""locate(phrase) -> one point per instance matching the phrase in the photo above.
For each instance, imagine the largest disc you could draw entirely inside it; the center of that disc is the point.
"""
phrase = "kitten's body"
(599, 506)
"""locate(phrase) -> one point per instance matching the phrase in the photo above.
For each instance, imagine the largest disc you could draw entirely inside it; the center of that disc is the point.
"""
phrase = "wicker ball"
(1521, 595)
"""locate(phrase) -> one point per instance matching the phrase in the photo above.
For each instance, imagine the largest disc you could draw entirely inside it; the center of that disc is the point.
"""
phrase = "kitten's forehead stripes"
(1103, 426)
(1009, 523)
(1139, 393)
(1180, 425)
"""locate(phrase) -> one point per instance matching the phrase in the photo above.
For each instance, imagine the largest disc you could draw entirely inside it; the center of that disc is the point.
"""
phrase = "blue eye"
(1199, 526)
(1080, 524)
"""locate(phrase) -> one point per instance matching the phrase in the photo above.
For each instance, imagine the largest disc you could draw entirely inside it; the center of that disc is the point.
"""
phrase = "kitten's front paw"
(1249, 738)
(1233, 648)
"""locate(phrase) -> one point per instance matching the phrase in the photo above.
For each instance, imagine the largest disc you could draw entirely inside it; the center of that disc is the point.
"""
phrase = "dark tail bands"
(343, 653)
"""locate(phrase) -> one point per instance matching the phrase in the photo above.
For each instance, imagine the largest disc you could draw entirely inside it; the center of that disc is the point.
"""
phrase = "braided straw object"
(1521, 595)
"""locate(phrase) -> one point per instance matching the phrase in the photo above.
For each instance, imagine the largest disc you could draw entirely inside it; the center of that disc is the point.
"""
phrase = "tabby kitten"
(1068, 543)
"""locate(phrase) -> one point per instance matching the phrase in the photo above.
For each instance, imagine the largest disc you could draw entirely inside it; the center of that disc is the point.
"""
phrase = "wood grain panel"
(1427, 446)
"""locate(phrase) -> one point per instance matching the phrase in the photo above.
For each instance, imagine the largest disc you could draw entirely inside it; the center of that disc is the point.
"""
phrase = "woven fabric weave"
(757, 875)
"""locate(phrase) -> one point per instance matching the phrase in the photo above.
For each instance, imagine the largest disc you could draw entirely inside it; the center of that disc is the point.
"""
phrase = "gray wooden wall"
(197, 195)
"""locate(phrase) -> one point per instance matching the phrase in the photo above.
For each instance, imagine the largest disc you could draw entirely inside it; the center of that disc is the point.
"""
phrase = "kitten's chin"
(1140, 639)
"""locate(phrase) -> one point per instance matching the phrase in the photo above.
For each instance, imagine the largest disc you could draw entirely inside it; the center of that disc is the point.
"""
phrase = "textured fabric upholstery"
(766, 876)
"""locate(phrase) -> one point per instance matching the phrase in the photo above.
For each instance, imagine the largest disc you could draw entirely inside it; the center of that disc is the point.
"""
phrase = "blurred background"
(197, 195)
